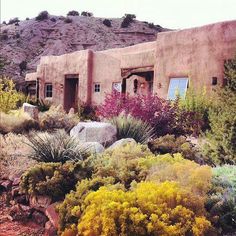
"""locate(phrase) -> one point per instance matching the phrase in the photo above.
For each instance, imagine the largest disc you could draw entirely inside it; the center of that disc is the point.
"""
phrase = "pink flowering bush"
(158, 112)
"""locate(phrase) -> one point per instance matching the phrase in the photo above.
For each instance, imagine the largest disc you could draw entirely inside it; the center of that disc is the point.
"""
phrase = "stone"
(20, 212)
(39, 218)
(101, 132)
(52, 215)
(32, 110)
(50, 230)
(92, 147)
(6, 184)
(121, 143)
(40, 203)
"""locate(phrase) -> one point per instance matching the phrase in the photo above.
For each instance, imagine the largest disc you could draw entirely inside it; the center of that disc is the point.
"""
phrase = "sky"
(175, 14)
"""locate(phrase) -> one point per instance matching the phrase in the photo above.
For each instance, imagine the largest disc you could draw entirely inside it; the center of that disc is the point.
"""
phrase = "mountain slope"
(23, 43)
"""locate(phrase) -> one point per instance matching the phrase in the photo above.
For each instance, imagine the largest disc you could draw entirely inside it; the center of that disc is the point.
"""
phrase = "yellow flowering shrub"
(148, 209)
(187, 173)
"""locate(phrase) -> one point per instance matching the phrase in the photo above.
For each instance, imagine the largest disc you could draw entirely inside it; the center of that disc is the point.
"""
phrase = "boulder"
(20, 212)
(122, 142)
(40, 203)
(50, 230)
(93, 147)
(103, 133)
(39, 218)
(52, 215)
(32, 110)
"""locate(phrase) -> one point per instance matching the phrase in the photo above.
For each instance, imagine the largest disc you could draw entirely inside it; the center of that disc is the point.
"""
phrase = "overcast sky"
(176, 14)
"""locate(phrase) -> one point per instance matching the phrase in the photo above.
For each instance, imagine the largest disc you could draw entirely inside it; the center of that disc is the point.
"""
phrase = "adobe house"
(175, 60)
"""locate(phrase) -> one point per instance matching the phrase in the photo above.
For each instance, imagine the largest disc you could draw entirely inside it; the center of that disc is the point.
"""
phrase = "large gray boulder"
(121, 143)
(103, 133)
(32, 110)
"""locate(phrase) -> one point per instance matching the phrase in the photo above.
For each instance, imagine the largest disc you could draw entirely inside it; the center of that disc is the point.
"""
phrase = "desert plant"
(120, 163)
(57, 118)
(171, 144)
(69, 212)
(159, 113)
(221, 139)
(147, 209)
(193, 111)
(86, 112)
(222, 202)
(14, 155)
(188, 174)
(17, 122)
(9, 97)
(42, 16)
(73, 13)
(130, 127)
(23, 66)
(68, 20)
(13, 21)
(107, 22)
(86, 13)
(127, 20)
(50, 179)
(55, 147)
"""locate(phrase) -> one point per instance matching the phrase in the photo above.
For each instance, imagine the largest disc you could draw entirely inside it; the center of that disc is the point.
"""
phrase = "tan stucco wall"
(197, 53)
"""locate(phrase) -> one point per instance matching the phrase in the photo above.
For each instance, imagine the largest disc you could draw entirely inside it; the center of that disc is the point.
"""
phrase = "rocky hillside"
(22, 43)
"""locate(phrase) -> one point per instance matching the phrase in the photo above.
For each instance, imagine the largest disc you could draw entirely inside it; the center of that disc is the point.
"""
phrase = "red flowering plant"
(158, 112)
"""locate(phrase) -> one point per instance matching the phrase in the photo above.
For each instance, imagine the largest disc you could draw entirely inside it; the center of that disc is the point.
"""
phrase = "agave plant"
(56, 147)
(130, 127)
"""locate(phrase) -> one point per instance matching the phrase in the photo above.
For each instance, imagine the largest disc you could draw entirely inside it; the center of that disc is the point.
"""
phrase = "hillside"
(22, 43)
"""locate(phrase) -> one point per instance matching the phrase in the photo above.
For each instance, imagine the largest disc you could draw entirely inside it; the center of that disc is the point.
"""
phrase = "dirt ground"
(15, 228)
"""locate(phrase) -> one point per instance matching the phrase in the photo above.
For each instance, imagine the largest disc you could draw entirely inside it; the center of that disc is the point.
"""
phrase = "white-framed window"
(48, 90)
(177, 87)
(97, 87)
(116, 86)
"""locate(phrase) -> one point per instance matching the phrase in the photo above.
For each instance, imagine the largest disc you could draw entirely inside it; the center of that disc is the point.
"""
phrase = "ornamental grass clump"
(130, 127)
(56, 147)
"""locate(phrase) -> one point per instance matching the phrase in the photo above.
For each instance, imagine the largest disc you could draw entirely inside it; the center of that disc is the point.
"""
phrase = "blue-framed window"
(177, 87)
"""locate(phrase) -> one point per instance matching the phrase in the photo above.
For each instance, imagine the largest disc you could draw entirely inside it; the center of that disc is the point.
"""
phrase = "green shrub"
(130, 127)
(85, 13)
(43, 105)
(55, 147)
(221, 139)
(107, 22)
(69, 210)
(127, 20)
(120, 163)
(42, 16)
(9, 97)
(57, 118)
(13, 21)
(86, 112)
(51, 179)
(68, 20)
(73, 13)
(222, 201)
(17, 122)
(171, 144)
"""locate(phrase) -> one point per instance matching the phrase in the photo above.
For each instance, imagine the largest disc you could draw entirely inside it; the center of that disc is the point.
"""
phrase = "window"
(48, 90)
(116, 86)
(214, 80)
(177, 86)
(97, 88)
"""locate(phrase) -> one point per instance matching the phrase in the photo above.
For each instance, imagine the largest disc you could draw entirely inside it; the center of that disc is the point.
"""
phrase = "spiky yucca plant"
(56, 147)
(130, 127)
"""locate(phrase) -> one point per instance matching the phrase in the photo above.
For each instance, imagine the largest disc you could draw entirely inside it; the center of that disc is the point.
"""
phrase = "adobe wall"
(52, 69)
(197, 53)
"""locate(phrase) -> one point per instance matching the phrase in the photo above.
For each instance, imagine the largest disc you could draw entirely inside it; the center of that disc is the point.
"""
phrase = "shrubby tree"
(221, 144)
(73, 13)
(42, 16)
